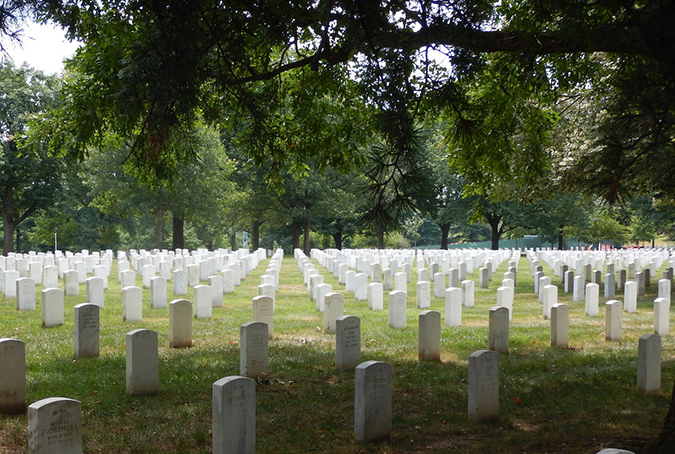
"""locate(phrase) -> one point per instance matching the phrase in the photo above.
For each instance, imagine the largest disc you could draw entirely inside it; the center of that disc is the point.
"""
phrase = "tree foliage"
(149, 70)
(29, 178)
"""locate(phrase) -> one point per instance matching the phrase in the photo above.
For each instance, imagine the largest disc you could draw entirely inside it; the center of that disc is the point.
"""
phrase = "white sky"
(43, 47)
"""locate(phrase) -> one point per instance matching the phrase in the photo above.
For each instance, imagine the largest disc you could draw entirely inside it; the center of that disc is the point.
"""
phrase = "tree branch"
(615, 38)
(30, 210)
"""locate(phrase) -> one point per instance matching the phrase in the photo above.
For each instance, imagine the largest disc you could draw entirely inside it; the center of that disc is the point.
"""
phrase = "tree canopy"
(29, 177)
(149, 70)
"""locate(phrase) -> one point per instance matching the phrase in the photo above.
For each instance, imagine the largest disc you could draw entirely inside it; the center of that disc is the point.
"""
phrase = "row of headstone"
(590, 293)
(634, 260)
(208, 261)
(619, 268)
(53, 299)
(55, 424)
(455, 297)
(383, 266)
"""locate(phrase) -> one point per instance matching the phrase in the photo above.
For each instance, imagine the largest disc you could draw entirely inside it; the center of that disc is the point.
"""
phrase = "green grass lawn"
(552, 400)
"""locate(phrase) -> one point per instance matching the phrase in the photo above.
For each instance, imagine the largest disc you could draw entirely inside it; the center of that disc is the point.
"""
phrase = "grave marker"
(649, 365)
(193, 275)
(661, 316)
(484, 277)
(71, 283)
(401, 281)
(537, 279)
(429, 336)
(314, 281)
(468, 293)
(439, 285)
(453, 306)
(397, 309)
(180, 324)
(132, 304)
(640, 279)
(52, 307)
(142, 362)
(86, 330)
(347, 342)
(158, 292)
(233, 415)
(578, 290)
(13, 390)
(95, 291)
(25, 294)
(423, 294)
(453, 277)
(498, 329)
(505, 298)
(610, 285)
(560, 325)
(253, 353)
(387, 280)
(361, 287)
(202, 303)
(663, 288)
(550, 297)
(216, 283)
(51, 276)
(592, 299)
(128, 279)
(321, 291)
(334, 308)
(55, 426)
(263, 311)
(180, 286)
(376, 296)
(148, 272)
(376, 272)
(372, 401)
(350, 278)
(484, 385)
(35, 272)
(543, 282)
(621, 283)
(613, 320)
(228, 280)
(81, 268)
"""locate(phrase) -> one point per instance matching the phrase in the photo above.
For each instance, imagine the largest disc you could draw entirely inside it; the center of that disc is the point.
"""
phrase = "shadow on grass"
(551, 400)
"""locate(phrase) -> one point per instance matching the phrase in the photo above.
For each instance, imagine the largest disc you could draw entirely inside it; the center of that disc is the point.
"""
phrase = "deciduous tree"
(29, 177)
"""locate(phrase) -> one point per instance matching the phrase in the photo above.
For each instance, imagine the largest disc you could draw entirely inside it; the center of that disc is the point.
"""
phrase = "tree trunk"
(255, 235)
(666, 440)
(496, 235)
(305, 244)
(337, 237)
(380, 234)
(494, 220)
(296, 235)
(8, 231)
(11, 223)
(18, 239)
(233, 240)
(159, 227)
(178, 231)
(561, 239)
(445, 228)
(8, 220)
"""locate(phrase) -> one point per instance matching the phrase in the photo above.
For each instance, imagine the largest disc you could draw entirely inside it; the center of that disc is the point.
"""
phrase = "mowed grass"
(552, 400)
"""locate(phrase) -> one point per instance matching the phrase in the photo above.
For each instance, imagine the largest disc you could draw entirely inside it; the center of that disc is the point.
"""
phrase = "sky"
(43, 47)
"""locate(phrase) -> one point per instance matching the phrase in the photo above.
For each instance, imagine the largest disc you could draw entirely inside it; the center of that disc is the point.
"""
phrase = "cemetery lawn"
(552, 400)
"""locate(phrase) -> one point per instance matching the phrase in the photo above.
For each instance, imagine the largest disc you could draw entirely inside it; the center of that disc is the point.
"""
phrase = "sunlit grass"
(573, 400)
